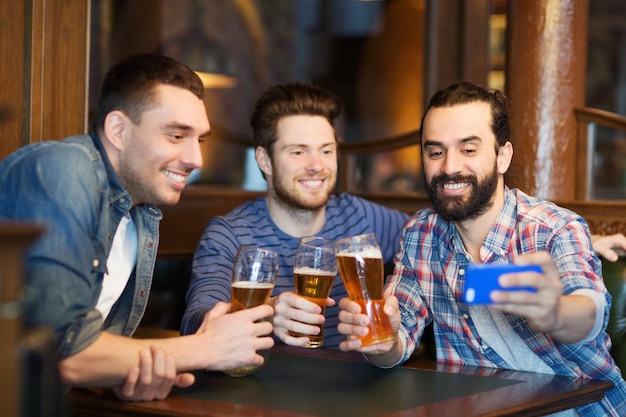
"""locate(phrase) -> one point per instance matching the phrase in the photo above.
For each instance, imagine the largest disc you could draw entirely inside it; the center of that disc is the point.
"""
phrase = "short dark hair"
(129, 85)
(465, 92)
(290, 99)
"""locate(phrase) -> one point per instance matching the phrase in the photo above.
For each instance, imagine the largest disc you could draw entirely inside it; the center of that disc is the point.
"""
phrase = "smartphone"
(481, 279)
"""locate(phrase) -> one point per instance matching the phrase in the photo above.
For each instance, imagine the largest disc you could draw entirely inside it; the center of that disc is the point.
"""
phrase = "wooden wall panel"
(59, 69)
(457, 43)
(43, 71)
(12, 75)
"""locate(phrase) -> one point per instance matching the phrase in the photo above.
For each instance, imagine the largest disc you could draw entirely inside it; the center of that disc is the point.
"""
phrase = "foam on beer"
(252, 284)
(307, 270)
(366, 252)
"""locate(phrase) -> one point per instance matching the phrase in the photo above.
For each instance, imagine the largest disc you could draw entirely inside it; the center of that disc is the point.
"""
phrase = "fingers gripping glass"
(254, 276)
(315, 270)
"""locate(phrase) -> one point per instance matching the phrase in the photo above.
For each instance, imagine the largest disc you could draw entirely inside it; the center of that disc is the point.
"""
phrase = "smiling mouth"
(455, 189)
(312, 183)
(455, 186)
(175, 177)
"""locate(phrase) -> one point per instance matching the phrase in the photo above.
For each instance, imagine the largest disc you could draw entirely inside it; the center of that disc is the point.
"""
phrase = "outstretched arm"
(224, 341)
(566, 318)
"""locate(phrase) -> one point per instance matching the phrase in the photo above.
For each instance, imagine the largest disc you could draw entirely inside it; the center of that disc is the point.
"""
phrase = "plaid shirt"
(428, 282)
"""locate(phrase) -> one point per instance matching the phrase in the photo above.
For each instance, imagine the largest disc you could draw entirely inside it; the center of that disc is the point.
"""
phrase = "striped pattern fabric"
(251, 224)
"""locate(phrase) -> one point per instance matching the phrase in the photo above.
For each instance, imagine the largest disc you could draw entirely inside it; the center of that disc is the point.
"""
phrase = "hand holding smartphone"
(481, 279)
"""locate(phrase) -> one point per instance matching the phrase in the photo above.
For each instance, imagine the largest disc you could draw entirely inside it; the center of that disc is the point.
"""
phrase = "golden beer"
(254, 274)
(246, 294)
(380, 326)
(314, 285)
(362, 275)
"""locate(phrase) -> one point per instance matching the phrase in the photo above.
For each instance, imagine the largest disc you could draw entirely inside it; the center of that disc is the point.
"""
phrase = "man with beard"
(296, 150)
(475, 218)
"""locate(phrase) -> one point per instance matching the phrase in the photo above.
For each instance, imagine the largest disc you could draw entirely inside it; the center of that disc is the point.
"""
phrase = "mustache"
(443, 178)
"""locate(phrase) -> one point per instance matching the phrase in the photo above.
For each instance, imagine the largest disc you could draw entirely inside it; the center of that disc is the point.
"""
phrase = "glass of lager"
(254, 275)
(360, 263)
(314, 273)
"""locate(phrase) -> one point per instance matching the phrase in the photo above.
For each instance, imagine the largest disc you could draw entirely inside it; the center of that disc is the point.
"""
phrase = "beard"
(291, 198)
(455, 208)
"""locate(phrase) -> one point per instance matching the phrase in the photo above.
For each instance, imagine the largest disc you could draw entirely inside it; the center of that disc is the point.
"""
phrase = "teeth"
(175, 177)
(455, 186)
(312, 183)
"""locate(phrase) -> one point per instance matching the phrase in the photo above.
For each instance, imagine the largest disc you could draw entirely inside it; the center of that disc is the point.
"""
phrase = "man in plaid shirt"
(475, 218)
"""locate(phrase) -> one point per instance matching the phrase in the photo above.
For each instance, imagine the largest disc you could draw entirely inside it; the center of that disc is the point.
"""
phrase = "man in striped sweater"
(296, 150)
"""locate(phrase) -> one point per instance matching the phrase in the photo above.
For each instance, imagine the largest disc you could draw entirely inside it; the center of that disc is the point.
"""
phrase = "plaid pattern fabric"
(428, 282)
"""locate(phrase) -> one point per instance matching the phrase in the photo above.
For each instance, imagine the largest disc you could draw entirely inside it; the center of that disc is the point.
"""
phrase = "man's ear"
(115, 127)
(264, 161)
(504, 157)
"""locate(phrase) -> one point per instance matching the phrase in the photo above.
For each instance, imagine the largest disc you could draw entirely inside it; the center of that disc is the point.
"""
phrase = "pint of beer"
(246, 294)
(360, 264)
(254, 275)
(315, 270)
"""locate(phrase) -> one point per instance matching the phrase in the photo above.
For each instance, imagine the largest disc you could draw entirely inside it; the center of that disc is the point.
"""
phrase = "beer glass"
(314, 273)
(360, 263)
(254, 275)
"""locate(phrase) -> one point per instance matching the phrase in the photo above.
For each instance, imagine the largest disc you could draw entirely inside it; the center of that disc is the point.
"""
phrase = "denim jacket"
(70, 187)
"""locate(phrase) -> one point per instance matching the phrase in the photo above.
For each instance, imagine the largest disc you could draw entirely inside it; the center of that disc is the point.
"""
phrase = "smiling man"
(558, 327)
(88, 278)
(296, 150)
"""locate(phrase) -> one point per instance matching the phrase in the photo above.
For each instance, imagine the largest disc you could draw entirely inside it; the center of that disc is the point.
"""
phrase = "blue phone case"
(481, 279)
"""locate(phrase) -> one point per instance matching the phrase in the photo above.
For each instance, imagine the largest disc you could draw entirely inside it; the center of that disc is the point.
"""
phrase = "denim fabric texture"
(71, 188)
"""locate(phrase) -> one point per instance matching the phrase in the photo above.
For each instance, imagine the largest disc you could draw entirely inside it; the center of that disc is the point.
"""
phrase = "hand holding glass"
(254, 275)
(315, 270)
(360, 263)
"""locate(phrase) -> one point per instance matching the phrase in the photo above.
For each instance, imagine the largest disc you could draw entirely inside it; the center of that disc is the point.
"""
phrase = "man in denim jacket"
(88, 278)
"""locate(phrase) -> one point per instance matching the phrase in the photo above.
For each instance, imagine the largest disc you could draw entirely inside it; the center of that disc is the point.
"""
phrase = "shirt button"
(461, 271)
(485, 346)
(502, 252)
(96, 263)
(466, 316)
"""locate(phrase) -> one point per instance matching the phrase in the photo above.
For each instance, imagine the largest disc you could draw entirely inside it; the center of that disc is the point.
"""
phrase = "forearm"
(576, 319)
(107, 361)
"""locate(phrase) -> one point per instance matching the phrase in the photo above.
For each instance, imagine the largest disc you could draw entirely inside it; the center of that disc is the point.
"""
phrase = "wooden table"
(299, 382)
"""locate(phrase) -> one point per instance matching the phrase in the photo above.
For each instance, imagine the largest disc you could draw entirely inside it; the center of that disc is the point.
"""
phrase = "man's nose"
(451, 163)
(192, 155)
(314, 163)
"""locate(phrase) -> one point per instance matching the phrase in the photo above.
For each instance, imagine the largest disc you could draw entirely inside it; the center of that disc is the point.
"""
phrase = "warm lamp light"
(211, 80)
(201, 53)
